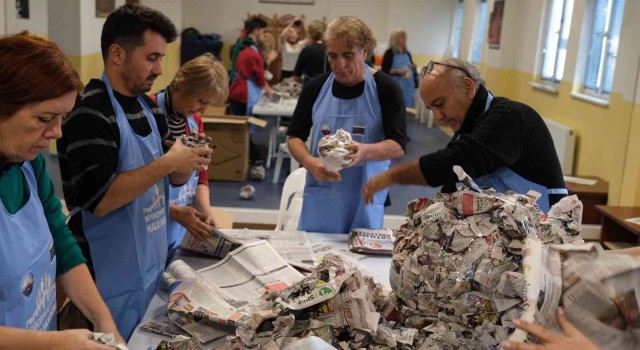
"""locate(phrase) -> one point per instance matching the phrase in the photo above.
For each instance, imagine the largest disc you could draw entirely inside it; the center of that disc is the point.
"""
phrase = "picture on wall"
(104, 8)
(22, 9)
(495, 24)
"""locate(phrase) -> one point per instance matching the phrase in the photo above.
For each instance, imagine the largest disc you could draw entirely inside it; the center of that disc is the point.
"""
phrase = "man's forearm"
(298, 150)
(387, 149)
(407, 174)
(129, 185)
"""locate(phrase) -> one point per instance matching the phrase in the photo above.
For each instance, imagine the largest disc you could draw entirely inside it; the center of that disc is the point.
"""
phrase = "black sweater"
(509, 134)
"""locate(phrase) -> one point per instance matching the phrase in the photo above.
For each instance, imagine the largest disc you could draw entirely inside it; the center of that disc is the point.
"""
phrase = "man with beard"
(115, 173)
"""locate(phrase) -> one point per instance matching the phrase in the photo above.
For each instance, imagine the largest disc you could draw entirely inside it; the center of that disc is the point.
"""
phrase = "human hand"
(107, 325)
(571, 340)
(186, 159)
(208, 215)
(267, 90)
(73, 339)
(358, 153)
(376, 184)
(318, 171)
(192, 220)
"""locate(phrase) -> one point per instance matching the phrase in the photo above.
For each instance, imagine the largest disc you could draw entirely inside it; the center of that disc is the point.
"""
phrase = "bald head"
(448, 90)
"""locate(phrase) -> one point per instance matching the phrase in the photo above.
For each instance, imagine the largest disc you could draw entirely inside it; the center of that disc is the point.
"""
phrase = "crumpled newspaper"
(457, 270)
(332, 150)
(108, 339)
(195, 141)
(179, 342)
(288, 88)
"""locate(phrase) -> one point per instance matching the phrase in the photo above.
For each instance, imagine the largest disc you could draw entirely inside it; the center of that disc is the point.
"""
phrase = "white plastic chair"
(291, 201)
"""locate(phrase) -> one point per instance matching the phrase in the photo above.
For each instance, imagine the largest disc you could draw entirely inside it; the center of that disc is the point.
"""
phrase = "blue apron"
(129, 245)
(402, 61)
(179, 195)
(337, 207)
(27, 264)
(504, 179)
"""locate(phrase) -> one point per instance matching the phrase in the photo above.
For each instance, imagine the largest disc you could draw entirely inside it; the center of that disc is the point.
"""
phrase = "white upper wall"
(2, 20)
(37, 22)
(427, 23)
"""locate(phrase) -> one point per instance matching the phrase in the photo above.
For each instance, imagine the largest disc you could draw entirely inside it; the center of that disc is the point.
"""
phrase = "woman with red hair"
(38, 87)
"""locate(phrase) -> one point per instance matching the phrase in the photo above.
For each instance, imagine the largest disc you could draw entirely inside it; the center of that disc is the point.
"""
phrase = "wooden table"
(615, 228)
(591, 196)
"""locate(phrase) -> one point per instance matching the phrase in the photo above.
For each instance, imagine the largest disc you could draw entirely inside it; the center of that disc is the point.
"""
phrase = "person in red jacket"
(199, 83)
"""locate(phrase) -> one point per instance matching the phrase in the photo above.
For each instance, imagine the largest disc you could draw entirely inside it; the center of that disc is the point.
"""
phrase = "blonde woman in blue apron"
(398, 63)
(37, 253)
(364, 102)
(199, 83)
(500, 143)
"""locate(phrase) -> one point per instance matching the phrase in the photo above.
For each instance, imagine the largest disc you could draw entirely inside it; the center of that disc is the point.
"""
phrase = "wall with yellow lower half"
(603, 133)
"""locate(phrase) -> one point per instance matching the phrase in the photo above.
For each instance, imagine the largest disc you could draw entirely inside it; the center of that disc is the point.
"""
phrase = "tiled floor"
(226, 194)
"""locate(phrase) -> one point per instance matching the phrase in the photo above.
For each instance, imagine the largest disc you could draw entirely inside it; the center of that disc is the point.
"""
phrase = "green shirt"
(14, 193)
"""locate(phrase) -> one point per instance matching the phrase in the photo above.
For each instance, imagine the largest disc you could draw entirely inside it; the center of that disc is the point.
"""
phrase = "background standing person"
(38, 87)
(362, 101)
(253, 29)
(114, 172)
(500, 143)
(398, 63)
(294, 38)
(199, 83)
(312, 60)
(246, 88)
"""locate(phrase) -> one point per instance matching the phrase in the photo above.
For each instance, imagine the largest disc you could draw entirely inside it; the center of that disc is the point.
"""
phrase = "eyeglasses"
(429, 67)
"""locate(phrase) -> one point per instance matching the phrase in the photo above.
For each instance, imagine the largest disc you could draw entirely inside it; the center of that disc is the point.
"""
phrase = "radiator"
(564, 140)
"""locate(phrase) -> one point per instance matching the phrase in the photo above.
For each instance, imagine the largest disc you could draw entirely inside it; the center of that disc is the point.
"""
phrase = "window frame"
(565, 22)
(457, 31)
(604, 57)
(481, 28)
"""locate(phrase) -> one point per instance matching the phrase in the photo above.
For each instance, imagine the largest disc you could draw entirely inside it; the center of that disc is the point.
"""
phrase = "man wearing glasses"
(501, 143)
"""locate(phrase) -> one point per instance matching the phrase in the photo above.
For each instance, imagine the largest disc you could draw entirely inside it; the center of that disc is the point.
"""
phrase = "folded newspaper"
(293, 246)
(369, 241)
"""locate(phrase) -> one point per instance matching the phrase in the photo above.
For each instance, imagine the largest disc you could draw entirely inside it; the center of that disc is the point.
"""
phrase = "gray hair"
(393, 39)
(470, 68)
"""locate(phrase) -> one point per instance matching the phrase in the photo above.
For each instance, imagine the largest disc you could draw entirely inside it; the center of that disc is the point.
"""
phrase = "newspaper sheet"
(369, 241)
(293, 246)
(217, 245)
(250, 271)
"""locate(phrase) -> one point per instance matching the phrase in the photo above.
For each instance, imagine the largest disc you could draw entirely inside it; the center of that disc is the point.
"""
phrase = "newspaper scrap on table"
(292, 246)
(462, 264)
(288, 88)
(178, 342)
(217, 245)
(355, 259)
(335, 303)
(195, 306)
(250, 271)
(162, 327)
(362, 240)
(599, 291)
(108, 339)
(333, 152)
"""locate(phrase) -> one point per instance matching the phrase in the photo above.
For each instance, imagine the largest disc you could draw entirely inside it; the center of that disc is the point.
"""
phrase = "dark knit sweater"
(509, 134)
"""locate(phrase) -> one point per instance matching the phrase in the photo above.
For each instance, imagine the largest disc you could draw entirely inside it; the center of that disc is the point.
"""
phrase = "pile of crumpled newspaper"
(288, 88)
(457, 268)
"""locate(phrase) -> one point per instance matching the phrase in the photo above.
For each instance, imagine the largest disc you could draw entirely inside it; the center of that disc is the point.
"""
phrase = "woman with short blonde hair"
(201, 82)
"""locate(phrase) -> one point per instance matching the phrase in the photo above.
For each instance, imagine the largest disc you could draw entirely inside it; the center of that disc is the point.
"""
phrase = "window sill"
(550, 88)
(598, 101)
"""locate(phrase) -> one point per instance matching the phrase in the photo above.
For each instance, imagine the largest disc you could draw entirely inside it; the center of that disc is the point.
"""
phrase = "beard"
(133, 83)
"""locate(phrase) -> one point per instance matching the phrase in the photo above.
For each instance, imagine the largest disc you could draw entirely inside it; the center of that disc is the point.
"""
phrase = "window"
(603, 46)
(479, 35)
(554, 51)
(457, 30)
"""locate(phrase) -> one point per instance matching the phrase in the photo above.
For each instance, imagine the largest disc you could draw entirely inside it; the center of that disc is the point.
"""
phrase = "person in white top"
(294, 38)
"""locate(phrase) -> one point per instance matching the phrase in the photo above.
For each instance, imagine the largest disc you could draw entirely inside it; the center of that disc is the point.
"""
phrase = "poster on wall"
(495, 24)
(298, 2)
(22, 9)
(104, 8)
